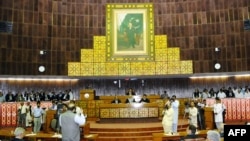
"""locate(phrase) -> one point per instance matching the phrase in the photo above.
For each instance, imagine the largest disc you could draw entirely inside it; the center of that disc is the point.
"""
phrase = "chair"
(53, 124)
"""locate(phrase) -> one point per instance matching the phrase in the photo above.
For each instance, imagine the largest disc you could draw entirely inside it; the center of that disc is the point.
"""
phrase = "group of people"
(69, 119)
(30, 117)
(36, 96)
(235, 92)
(170, 115)
(131, 99)
(195, 117)
(131, 93)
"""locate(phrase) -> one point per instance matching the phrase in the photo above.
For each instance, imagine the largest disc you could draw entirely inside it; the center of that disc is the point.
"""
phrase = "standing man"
(201, 114)
(22, 110)
(70, 123)
(193, 112)
(29, 115)
(37, 114)
(167, 121)
(218, 112)
(175, 105)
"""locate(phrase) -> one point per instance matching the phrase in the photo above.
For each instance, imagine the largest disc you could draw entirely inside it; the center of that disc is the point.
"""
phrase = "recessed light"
(217, 66)
(41, 68)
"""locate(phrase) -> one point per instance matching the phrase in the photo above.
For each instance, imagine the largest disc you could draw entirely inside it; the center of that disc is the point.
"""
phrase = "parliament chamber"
(101, 111)
(238, 109)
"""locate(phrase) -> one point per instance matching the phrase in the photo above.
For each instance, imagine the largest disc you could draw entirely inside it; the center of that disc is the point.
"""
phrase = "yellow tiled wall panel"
(99, 56)
(161, 68)
(173, 67)
(173, 54)
(186, 67)
(74, 68)
(112, 69)
(148, 68)
(93, 61)
(87, 55)
(161, 41)
(136, 68)
(99, 42)
(161, 55)
(99, 69)
(87, 69)
(124, 68)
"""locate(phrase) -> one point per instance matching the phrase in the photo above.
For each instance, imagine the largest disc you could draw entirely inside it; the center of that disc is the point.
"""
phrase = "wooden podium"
(89, 92)
(209, 117)
(50, 114)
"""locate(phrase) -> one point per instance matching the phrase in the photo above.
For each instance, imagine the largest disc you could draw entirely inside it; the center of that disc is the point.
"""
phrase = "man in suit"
(116, 100)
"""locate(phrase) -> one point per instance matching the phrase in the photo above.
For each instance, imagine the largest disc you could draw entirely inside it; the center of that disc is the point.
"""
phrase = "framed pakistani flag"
(130, 32)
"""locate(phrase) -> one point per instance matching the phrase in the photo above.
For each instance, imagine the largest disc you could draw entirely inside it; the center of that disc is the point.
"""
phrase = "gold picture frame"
(130, 32)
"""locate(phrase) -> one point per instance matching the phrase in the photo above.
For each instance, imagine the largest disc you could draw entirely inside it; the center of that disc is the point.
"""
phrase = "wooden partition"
(133, 111)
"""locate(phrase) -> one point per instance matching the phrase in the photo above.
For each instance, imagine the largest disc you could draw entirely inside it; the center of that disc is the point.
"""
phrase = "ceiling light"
(41, 69)
(217, 66)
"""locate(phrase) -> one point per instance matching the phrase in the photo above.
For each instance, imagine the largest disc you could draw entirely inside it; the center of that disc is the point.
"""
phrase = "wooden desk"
(161, 136)
(131, 112)
(43, 136)
(134, 110)
(6, 134)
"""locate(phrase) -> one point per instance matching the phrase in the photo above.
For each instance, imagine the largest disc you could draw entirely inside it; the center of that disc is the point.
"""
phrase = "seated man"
(191, 133)
(213, 135)
(144, 99)
(130, 99)
(116, 100)
(19, 134)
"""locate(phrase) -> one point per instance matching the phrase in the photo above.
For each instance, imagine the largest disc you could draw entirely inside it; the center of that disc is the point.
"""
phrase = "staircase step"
(126, 138)
(119, 134)
(130, 132)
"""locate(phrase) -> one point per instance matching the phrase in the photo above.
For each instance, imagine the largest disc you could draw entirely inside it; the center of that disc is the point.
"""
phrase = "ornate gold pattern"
(167, 61)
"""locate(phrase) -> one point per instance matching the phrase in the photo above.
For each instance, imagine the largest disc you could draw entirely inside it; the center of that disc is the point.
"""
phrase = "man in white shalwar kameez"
(193, 112)
(167, 121)
(175, 105)
(218, 110)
